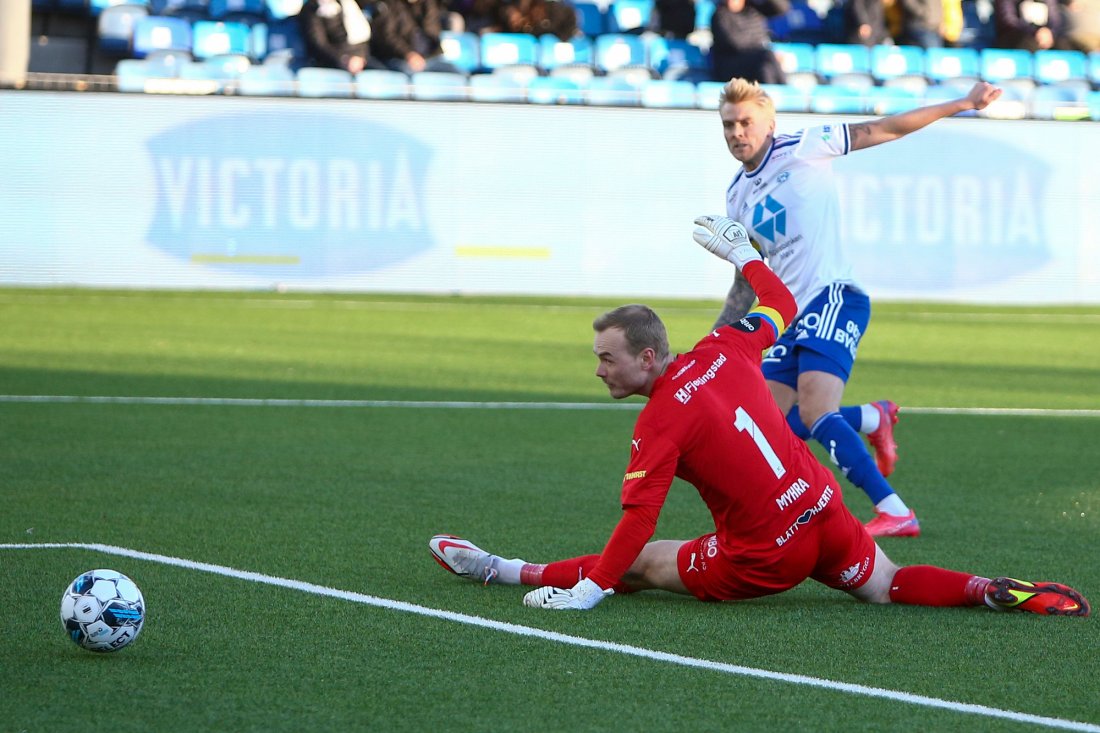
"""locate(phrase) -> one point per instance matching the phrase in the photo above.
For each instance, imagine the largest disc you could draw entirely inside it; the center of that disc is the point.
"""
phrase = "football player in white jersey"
(786, 194)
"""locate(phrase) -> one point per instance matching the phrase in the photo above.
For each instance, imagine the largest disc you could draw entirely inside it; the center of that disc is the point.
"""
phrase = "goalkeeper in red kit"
(778, 513)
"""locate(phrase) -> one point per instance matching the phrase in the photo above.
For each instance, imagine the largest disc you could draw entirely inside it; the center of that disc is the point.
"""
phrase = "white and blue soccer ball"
(102, 610)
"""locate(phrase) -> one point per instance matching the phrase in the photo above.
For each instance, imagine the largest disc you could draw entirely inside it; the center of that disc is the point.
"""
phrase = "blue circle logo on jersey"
(289, 195)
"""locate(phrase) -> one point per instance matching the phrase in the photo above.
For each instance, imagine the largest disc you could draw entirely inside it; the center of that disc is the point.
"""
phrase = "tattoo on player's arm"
(860, 134)
(738, 302)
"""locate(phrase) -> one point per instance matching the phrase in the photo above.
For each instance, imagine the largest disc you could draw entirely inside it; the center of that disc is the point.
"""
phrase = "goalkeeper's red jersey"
(711, 420)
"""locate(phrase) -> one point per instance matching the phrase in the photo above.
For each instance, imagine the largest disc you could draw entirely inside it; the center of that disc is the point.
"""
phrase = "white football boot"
(463, 558)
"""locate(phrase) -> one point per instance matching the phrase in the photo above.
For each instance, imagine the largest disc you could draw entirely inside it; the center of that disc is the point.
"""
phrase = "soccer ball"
(102, 610)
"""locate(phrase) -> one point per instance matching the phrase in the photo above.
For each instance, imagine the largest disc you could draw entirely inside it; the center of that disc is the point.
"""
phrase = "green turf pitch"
(347, 497)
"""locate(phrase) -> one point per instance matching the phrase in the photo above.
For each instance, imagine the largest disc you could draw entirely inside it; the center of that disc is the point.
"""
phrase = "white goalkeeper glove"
(726, 238)
(581, 597)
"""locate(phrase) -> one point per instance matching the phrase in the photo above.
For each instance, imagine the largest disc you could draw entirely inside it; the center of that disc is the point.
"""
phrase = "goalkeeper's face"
(624, 372)
(748, 129)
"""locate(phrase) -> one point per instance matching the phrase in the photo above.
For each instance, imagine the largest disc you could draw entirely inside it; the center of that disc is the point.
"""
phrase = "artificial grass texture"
(347, 498)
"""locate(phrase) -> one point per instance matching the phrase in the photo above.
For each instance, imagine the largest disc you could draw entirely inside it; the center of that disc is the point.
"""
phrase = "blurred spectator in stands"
(675, 18)
(479, 16)
(406, 35)
(1033, 25)
(918, 22)
(539, 18)
(742, 40)
(337, 34)
(953, 22)
(865, 22)
(1082, 29)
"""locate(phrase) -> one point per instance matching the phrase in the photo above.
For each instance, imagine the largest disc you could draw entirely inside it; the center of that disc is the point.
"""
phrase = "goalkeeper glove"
(581, 597)
(726, 238)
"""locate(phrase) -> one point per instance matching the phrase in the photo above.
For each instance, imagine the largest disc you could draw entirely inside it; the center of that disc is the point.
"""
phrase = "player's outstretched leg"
(463, 558)
(1048, 599)
(882, 438)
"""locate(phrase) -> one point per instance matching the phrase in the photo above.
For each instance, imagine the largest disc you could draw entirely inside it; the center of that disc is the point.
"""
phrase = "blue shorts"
(824, 339)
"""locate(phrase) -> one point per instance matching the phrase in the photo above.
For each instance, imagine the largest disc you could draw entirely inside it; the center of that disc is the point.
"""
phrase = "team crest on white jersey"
(769, 219)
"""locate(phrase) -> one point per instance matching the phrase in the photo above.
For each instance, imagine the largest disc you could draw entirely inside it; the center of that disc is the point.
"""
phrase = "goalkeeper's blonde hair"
(739, 90)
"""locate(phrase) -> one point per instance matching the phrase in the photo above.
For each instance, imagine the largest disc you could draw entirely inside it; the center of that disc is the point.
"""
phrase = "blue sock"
(852, 415)
(849, 453)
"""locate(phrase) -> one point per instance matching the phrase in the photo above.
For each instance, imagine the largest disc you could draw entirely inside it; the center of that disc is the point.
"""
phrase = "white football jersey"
(792, 211)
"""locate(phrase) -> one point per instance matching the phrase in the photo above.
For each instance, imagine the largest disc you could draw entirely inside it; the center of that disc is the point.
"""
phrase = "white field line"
(634, 651)
(445, 404)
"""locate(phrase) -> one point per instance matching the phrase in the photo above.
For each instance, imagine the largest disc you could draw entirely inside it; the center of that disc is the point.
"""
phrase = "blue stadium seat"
(795, 57)
(279, 41)
(279, 9)
(314, 81)
(190, 10)
(999, 64)
(217, 78)
(519, 73)
(439, 86)
(115, 27)
(612, 91)
(853, 80)
(1092, 101)
(917, 84)
(381, 84)
(1054, 102)
(580, 74)
(554, 90)
(212, 38)
(1094, 68)
(1053, 66)
(704, 11)
(157, 33)
(675, 58)
(707, 94)
(508, 49)
(245, 11)
(591, 19)
(831, 59)
(96, 7)
(668, 93)
(497, 88)
(629, 16)
(888, 62)
(463, 49)
(267, 80)
(951, 63)
(827, 99)
(891, 100)
(554, 52)
(615, 50)
(787, 98)
(228, 66)
(131, 75)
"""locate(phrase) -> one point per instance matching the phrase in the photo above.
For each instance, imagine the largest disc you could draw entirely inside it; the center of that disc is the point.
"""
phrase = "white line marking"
(634, 651)
(457, 404)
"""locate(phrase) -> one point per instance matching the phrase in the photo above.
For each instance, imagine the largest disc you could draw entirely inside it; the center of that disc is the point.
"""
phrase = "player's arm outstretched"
(729, 240)
(885, 129)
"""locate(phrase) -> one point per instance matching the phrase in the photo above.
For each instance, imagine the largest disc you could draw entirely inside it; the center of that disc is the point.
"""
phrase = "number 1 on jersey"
(746, 424)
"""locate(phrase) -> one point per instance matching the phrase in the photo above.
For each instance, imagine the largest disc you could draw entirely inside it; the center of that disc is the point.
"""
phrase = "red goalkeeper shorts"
(832, 548)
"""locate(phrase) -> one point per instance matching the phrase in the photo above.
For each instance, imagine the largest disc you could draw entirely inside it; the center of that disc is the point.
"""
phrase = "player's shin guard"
(927, 585)
(849, 453)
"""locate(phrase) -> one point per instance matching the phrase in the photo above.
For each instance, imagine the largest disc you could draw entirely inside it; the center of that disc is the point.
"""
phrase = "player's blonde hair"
(738, 90)
(641, 327)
